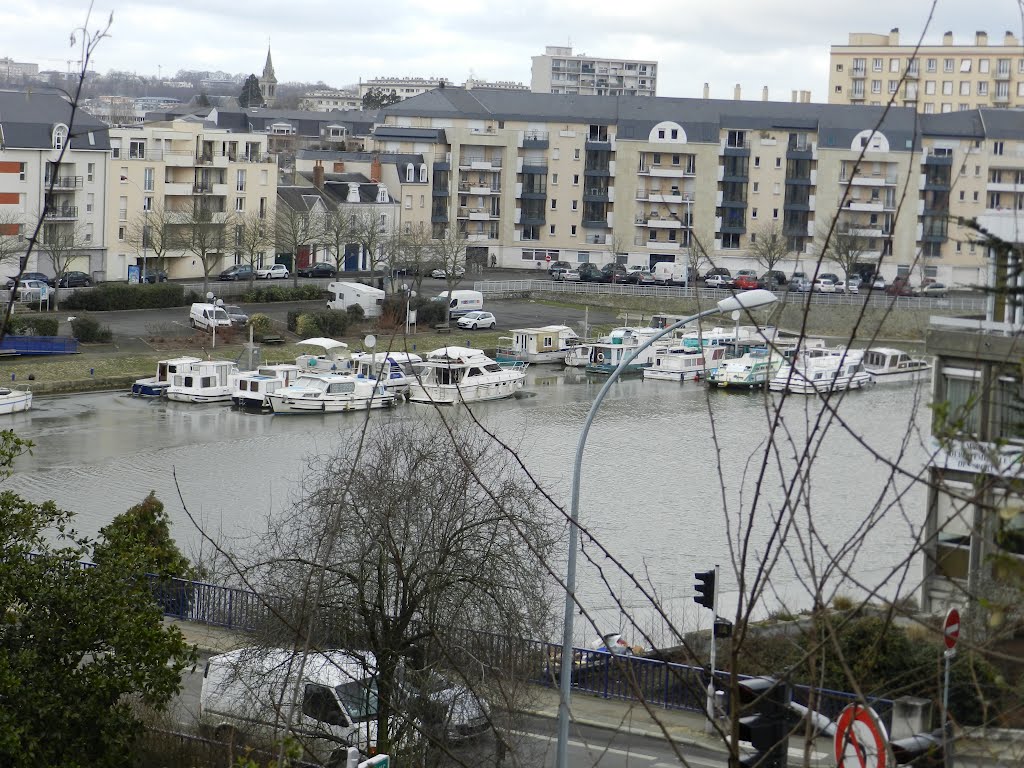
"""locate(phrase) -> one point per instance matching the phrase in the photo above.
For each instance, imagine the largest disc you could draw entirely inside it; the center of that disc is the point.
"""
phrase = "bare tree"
(845, 247)
(372, 234)
(770, 248)
(12, 237)
(295, 230)
(203, 236)
(450, 255)
(63, 244)
(337, 231)
(156, 233)
(418, 253)
(254, 236)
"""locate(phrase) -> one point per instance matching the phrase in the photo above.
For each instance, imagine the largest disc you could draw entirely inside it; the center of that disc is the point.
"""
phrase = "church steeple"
(268, 82)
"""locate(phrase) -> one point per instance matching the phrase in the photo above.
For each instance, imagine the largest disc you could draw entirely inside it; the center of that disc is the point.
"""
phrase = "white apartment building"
(406, 87)
(873, 68)
(557, 70)
(636, 180)
(163, 175)
(330, 100)
(48, 164)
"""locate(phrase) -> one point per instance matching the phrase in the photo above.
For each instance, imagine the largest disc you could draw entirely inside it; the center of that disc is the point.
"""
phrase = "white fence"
(514, 288)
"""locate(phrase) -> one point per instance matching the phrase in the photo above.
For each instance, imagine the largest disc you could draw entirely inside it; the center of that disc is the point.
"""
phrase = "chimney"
(736, 92)
(1009, 38)
(981, 37)
(805, 97)
(353, 193)
(794, 97)
(894, 36)
(375, 169)
(318, 174)
(707, 92)
(764, 93)
(947, 38)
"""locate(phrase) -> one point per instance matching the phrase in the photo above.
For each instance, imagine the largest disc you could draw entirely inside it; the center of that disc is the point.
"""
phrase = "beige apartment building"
(871, 69)
(533, 177)
(166, 178)
(557, 70)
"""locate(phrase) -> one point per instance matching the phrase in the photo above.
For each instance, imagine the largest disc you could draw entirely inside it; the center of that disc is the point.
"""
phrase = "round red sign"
(951, 628)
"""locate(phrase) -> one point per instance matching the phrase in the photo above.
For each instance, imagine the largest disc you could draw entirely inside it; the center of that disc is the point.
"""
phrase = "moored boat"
(548, 344)
(206, 381)
(754, 369)
(679, 363)
(252, 387)
(461, 374)
(334, 357)
(814, 370)
(156, 386)
(392, 369)
(890, 366)
(607, 353)
(15, 399)
(329, 393)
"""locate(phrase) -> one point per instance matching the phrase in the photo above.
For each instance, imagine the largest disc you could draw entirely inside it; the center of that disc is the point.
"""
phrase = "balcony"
(1001, 98)
(179, 159)
(666, 171)
(534, 140)
(871, 206)
(1002, 74)
(596, 239)
(65, 182)
(870, 180)
(62, 213)
(443, 191)
(177, 188)
(479, 189)
(480, 162)
(143, 154)
(476, 214)
(858, 72)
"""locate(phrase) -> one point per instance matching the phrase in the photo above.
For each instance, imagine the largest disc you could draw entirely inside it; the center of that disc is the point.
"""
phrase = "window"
(775, 188)
(757, 186)
(423, 173)
(947, 87)
(775, 213)
(576, 154)
(575, 205)
(264, 177)
(122, 232)
(876, 65)
(930, 65)
(778, 162)
(661, 134)
(894, 86)
(753, 213)
(554, 204)
(965, 88)
(551, 230)
(122, 210)
(240, 180)
(572, 230)
(408, 202)
(929, 109)
(982, 88)
(147, 203)
(997, 147)
(983, 66)
(876, 86)
(675, 133)
(21, 171)
(410, 173)
(148, 176)
(757, 161)
(554, 178)
(730, 240)
(90, 201)
(137, 149)
(965, 65)
(839, 67)
(929, 87)
(839, 89)
(575, 179)
(90, 172)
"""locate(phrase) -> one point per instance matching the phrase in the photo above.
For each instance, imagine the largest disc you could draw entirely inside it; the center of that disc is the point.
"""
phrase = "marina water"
(650, 484)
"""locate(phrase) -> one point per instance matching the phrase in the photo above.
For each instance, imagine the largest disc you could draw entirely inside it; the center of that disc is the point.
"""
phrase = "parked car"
(773, 279)
(236, 314)
(558, 267)
(830, 276)
(746, 282)
(319, 269)
(937, 290)
(74, 280)
(717, 271)
(848, 286)
(11, 282)
(589, 273)
(441, 274)
(572, 274)
(273, 272)
(718, 281)
(824, 285)
(614, 273)
(639, 276)
(746, 272)
(800, 285)
(153, 276)
(477, 319)
(30, 290)
(855, 280)
(799, 276)
(237, 272)
(878, 283)
(899, 287)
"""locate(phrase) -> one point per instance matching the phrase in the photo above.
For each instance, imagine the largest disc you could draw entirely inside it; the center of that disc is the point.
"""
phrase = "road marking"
(658, 760)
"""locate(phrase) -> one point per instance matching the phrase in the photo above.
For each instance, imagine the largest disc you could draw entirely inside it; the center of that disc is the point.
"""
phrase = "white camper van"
(208, 316)
(462, 302)
(347, 294)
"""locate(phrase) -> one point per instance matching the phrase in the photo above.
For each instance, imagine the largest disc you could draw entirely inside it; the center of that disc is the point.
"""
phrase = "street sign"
(860, 740)
(951, 628)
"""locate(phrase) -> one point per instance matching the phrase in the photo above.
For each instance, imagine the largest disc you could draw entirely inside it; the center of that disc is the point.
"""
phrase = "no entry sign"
(860, 740)
(951, 628)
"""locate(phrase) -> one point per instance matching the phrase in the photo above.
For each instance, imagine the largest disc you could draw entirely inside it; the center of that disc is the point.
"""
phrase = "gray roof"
(414, 134)
(704, 119)
(334, 193)
(302, 198)
(27, 119)
(306, 123)
(385, 158)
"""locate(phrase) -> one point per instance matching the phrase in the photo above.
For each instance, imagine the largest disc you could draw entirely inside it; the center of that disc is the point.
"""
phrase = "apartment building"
(871, 69)
(36, 178)
(165, 179)
(636, 180)
(557, 70)
(330, 100)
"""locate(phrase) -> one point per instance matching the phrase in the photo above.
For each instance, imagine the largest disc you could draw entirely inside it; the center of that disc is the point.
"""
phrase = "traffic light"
(767, 728)
(922, 750)
(705, 587)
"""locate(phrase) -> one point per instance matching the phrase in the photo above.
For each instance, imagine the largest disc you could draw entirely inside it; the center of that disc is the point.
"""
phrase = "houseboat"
(329, 393)
(15, 399)
(606, 354)
(754, 369)
(460, 374)
(207, 381)
(814, 371)
(252, 387)
(682, 363)
(156, 386)
(537, 345)
(890, 366)
(393, 369)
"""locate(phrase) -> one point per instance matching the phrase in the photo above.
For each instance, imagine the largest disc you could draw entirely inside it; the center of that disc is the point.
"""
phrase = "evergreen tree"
(250, 95)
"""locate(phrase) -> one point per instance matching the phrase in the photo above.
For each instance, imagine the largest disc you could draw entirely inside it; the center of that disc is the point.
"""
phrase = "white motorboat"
(682, 363)
(334, 356)
(393, 369)
(206, 381)
(822, 370)
(890, 365)
(578, 356)
(460, 374)
(156, 386)
(739, 337)
(754, 369)
(548, 344)
(15, 399)
(329, 393)
(252, 387)
(608, 352)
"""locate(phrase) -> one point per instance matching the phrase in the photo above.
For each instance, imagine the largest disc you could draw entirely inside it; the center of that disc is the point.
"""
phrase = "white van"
(208, 316)
(670, 273)
(462, 302)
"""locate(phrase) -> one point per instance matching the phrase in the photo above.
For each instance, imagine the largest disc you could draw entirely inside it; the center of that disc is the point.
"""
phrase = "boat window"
(492, 368)
(188, 381)
(548, 341)
(341, 387)
(208, 381)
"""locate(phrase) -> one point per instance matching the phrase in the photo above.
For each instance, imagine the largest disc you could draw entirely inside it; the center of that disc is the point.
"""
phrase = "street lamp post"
(746, 300)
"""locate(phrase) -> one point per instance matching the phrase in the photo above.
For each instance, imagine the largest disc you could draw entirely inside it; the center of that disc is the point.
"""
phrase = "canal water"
(670, 476)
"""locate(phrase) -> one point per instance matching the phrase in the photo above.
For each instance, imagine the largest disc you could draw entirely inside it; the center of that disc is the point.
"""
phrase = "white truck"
(461, 302)
(346, 295)
(670, 273)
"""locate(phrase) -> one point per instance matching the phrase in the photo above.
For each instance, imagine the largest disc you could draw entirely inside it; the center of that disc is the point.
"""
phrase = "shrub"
(88, 330)
(324, 323)
(261, 324)
(270, 293)
(293, 319)
(430, 312)
(307, 326)
(109, 296)
(44, 326)
(355, 313)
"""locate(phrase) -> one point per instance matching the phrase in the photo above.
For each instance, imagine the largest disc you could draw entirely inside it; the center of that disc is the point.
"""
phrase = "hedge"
(270, 293)
(33, 326)
(86, 330)
(110, 296)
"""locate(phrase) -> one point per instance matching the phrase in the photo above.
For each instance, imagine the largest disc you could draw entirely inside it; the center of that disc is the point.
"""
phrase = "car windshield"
(474, 315)
(360, 698)
(231, 309)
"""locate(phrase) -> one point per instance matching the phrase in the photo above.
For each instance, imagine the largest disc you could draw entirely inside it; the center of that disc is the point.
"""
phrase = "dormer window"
(409, 173)
(60, 135)
(382, 194)
(423, 173)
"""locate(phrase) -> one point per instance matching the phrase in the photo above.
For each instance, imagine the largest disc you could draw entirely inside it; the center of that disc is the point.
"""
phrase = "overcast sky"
(783, 44)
